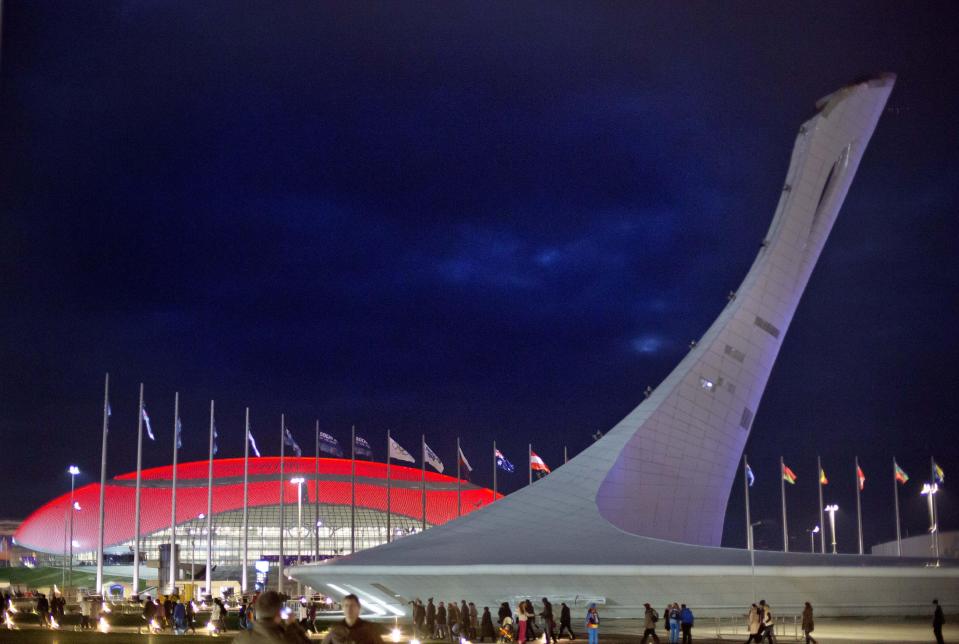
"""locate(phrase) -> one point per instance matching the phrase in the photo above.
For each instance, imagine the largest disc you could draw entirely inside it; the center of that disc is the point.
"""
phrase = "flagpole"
(279, 578)
(244, 582)
(529, 463)
(935, 513)
(353, 489)
(858, 506)
(565, 456)
(103, 479)
(782, 491)
(494, 470)
(136, 498)
(316, 495)
(822, 525)
(749, 523)
(459, 501)
(389, 496)
(423, 477)
(176, 449)
(209, 511)
(895, 489)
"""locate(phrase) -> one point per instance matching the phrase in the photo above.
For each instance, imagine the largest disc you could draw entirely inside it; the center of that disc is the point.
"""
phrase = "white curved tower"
(653, 491)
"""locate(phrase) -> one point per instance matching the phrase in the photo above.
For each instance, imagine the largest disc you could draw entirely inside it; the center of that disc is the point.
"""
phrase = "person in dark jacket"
(430, 618)
(149, 612)
(548, 622)
(503, 612)
(419, 618)
(43, 610)
(441, 631)
(464, 616)
(353, 630)
(938, 619)
(686, 624)
(486, 626)
(565, 623)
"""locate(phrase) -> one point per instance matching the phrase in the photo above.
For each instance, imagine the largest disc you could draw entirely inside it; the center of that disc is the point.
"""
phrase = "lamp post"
(832, 509)
(929, 491)
(298, 482)
(73, 470)
(193, 555)
(812, 538)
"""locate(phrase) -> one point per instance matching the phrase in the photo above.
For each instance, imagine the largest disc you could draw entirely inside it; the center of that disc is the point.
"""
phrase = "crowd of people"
(171, 612)
(452, 621)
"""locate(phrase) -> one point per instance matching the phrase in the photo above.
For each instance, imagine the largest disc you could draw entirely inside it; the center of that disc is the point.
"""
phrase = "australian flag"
(502, 463)
(329, 445)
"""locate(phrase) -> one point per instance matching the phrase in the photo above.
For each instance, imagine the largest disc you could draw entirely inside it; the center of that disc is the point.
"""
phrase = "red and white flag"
(537, 464)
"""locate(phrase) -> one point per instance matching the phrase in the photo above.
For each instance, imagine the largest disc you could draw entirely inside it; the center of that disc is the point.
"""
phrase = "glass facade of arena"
(299, 539)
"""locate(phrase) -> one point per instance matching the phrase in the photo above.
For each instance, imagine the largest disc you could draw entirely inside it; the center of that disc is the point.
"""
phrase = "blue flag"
(503, 464)
(329, 445)
(750, 477)
(292, 443)
(179, 431)
(215, 436)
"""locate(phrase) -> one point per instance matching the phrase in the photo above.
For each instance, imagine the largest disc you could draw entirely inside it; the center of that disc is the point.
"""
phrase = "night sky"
(492, 220)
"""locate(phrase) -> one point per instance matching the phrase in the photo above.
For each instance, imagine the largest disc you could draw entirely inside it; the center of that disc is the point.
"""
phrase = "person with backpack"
(649, 624)
(592, 624)
(686, 624)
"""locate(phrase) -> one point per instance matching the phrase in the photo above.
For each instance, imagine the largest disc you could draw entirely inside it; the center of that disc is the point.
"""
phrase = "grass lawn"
(37, 577)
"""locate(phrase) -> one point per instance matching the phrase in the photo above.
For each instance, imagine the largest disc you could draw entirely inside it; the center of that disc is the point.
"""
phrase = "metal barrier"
(788, 627)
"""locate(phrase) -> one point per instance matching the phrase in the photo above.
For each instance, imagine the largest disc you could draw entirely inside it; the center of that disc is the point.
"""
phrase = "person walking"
(938, 619)
(808, 625)
(530, 621)
(686, 623)
(419, 618)
(767, 629)
(441, 631)
(464, 619)
(179, 617)
(650, 617)
(191, 617)
(486, 626)
(666, 618)
(43, 610)
(674, 623)
(430, 618)
(474, 621)
(521, 622)
(753, 624)
(565, 623)
(548, 623)
(592, 624)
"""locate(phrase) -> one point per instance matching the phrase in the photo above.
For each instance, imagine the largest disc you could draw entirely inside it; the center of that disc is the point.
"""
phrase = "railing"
(787, 627)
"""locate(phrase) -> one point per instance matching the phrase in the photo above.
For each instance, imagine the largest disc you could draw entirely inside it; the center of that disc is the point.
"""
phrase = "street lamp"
(812, 538)
(193, 554)
(929, 491)
(298, 481)
(73, 470)
(832, 509)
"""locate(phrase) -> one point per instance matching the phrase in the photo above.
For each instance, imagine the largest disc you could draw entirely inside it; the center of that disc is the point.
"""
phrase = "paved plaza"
(828, 631)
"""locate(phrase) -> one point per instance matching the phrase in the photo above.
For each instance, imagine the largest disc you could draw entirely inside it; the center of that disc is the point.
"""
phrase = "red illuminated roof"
(44, 529)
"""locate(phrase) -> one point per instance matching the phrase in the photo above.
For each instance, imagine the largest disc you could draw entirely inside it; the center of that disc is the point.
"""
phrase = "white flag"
(146, 419)
(432, 459)
(400, 454)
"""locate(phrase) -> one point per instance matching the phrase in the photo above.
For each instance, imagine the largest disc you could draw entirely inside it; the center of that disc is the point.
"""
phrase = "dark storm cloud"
(498, 221)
